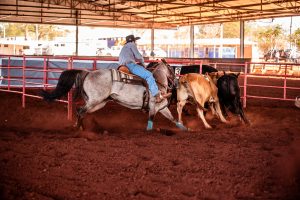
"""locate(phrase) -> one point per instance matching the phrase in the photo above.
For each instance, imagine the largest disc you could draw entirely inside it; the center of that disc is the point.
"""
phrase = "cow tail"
(65, 83)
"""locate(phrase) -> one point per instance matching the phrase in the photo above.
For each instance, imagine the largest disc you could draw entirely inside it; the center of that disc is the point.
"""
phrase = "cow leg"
(180, 105)
(201, 115)
(223, 109)
(242, 114)
(219, 112)
(212, 108)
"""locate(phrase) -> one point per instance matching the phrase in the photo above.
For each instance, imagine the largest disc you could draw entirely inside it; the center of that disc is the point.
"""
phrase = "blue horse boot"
(150, 125)
(181, 126)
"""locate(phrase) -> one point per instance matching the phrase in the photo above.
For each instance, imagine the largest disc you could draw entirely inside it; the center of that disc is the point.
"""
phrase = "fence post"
(94, 64)
(284, 83)
(8, 73)
(200, 65)
(24, 82)
(245, 85)
(45, 81)
(70, 96)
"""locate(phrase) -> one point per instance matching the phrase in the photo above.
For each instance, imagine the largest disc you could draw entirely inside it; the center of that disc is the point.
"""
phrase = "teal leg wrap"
(181, 126)
(150, 125)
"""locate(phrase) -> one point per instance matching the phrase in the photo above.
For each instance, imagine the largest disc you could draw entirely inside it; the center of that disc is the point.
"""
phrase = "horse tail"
(65, 84)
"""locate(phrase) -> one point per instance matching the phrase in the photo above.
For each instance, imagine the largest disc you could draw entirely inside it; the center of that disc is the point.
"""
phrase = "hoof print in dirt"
(89, 135)
(167, 132)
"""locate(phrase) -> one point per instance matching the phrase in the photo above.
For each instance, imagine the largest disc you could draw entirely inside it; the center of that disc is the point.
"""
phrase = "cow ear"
(237, 74)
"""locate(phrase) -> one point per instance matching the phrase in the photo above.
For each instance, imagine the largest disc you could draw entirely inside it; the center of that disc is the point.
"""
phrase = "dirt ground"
(43, 158)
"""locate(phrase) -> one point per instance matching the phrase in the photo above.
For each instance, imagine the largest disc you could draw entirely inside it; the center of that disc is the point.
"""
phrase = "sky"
(285, 22)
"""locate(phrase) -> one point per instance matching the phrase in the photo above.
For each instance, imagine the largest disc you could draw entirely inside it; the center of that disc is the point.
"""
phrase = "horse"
(103, 85)
(201, 89)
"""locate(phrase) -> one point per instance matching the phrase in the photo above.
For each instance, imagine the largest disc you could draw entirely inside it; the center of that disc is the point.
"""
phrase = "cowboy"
(128, 56)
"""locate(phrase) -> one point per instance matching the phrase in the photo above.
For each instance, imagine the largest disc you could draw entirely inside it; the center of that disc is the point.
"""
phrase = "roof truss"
(143, 14)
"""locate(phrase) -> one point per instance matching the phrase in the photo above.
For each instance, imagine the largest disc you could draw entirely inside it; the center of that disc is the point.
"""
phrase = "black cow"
(196, 69)
(229, 95)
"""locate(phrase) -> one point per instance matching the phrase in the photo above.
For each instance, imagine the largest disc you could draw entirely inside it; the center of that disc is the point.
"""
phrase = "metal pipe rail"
(26, 82)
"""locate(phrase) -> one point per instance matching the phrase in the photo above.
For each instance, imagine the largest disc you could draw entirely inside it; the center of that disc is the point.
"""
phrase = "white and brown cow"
(201, 89)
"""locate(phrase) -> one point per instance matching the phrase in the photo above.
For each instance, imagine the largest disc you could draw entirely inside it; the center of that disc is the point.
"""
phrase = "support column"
(192, 45)
(152, 43)
(242, 38)
(221, 40)
(76, 51)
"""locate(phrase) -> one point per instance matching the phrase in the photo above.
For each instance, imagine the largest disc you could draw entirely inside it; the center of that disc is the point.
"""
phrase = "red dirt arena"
(43, 158)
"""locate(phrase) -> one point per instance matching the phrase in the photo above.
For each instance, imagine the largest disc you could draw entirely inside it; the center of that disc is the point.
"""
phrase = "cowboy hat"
(131, 38)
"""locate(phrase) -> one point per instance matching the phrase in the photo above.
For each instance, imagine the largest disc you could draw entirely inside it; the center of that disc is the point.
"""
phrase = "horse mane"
(152, 65)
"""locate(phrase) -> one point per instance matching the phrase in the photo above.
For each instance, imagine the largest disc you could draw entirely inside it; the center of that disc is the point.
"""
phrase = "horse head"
(163, 73)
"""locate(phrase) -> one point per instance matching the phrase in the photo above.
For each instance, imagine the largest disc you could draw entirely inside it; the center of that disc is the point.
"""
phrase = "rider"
(128, 56)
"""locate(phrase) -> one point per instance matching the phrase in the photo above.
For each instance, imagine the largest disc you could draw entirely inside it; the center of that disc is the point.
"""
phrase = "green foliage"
(231, 30)
(295, 38)
(270, 37)
(33, 31)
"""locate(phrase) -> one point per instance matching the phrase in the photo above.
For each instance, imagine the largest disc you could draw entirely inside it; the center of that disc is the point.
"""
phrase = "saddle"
(122, 74)
(126, 76)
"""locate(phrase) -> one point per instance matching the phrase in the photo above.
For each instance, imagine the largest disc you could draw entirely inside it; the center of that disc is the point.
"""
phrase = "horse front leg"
(150, 118)
(167, 113)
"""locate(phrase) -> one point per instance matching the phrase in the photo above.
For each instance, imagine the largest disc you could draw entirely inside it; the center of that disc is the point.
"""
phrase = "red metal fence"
(283, 72)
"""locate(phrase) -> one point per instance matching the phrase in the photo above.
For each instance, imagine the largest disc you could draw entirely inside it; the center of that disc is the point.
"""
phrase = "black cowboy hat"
(131, 38)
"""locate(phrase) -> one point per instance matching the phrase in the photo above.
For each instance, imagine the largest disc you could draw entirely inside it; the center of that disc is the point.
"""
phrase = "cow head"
(215, 76)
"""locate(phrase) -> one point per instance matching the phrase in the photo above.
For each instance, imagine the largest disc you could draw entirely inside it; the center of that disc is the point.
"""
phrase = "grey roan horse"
(98, 87)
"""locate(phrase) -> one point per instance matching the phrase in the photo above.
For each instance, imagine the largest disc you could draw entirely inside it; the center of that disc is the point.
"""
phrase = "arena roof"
(143, 14)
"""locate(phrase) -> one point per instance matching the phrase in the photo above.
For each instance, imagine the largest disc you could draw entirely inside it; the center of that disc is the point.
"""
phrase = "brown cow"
(201, 89)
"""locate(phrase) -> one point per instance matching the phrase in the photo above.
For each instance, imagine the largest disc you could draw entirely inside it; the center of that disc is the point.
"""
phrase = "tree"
(295, 38)
(231, 30)
(46, 32)
(208, 31)
(270, 37)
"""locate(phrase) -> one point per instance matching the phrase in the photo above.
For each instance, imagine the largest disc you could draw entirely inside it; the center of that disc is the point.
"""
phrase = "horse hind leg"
(88, 108)
(80, 112)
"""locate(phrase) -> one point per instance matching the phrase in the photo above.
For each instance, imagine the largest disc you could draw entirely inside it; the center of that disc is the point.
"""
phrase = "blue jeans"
(144, 74)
